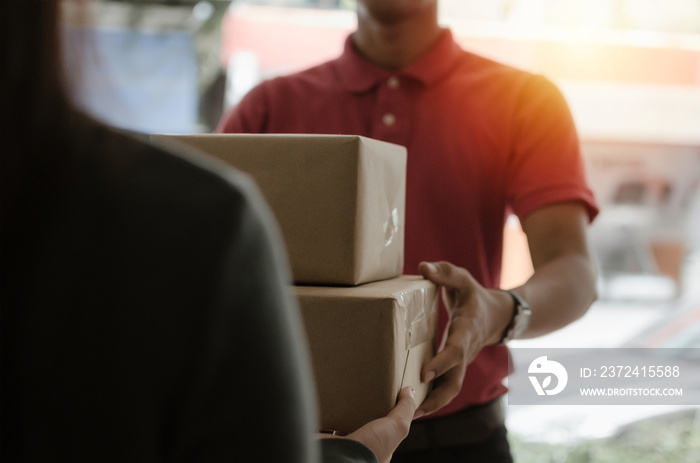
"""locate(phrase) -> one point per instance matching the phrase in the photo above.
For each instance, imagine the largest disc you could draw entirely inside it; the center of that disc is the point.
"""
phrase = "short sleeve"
(546, 165)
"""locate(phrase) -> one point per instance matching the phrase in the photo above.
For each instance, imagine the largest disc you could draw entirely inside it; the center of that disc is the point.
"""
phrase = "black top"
(146, 317)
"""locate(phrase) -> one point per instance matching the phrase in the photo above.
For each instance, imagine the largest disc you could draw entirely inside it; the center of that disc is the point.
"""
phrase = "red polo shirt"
(483, 140)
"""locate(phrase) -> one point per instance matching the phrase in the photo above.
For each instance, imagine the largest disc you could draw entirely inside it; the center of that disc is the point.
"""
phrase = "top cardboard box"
(339, 199)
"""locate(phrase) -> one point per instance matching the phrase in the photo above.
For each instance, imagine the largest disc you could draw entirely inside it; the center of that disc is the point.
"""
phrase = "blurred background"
(630, 70)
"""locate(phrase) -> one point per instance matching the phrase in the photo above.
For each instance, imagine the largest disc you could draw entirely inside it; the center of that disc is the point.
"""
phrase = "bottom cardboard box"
(366, 343)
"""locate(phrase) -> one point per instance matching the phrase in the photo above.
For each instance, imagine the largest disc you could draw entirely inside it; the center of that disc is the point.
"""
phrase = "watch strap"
(521, 318)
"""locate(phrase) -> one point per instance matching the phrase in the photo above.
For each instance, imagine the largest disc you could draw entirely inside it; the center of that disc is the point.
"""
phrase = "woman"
(144, 311)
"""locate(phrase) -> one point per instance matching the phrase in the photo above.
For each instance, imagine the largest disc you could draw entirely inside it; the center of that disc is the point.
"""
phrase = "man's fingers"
(437, 272)
(446, 390)
(449, 358)
(444, 273)
(460, 292)
(448, 367)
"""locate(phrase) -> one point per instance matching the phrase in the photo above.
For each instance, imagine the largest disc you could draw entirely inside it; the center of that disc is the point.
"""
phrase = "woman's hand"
(384, 435)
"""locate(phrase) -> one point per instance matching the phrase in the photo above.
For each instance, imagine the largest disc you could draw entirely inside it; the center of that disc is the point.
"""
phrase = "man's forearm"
(559, 292)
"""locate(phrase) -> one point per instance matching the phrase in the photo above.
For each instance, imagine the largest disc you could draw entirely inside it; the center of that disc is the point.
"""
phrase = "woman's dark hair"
(41, 132)
(34, 104)
(33, 88)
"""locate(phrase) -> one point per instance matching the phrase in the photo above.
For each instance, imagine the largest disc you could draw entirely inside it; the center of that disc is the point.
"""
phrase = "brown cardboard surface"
(366, 343)
(339, 199)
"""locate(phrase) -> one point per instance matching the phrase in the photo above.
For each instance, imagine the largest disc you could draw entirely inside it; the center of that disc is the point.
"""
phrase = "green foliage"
(673, 439)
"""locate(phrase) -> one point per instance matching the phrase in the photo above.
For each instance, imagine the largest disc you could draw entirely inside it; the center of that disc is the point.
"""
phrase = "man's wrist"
(520, 319)
(503, 315)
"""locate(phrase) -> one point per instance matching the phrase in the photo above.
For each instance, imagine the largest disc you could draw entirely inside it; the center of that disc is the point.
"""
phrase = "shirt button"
(389, 119)
(393, 82)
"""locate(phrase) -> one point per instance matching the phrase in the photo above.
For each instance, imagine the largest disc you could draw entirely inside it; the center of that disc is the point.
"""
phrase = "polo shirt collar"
(359, 75)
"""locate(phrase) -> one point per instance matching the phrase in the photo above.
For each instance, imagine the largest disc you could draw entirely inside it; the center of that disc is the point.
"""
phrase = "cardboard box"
(339, 200)
(367, 342)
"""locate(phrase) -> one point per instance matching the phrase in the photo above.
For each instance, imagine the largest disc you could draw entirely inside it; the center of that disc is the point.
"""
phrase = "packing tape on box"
(391, 227)
(417, 310)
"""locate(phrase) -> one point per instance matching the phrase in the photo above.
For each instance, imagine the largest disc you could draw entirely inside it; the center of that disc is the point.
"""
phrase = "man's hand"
(478, 317)
(560, 291)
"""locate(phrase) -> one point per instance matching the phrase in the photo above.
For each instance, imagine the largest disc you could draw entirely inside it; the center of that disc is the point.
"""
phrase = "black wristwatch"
(521, 318)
